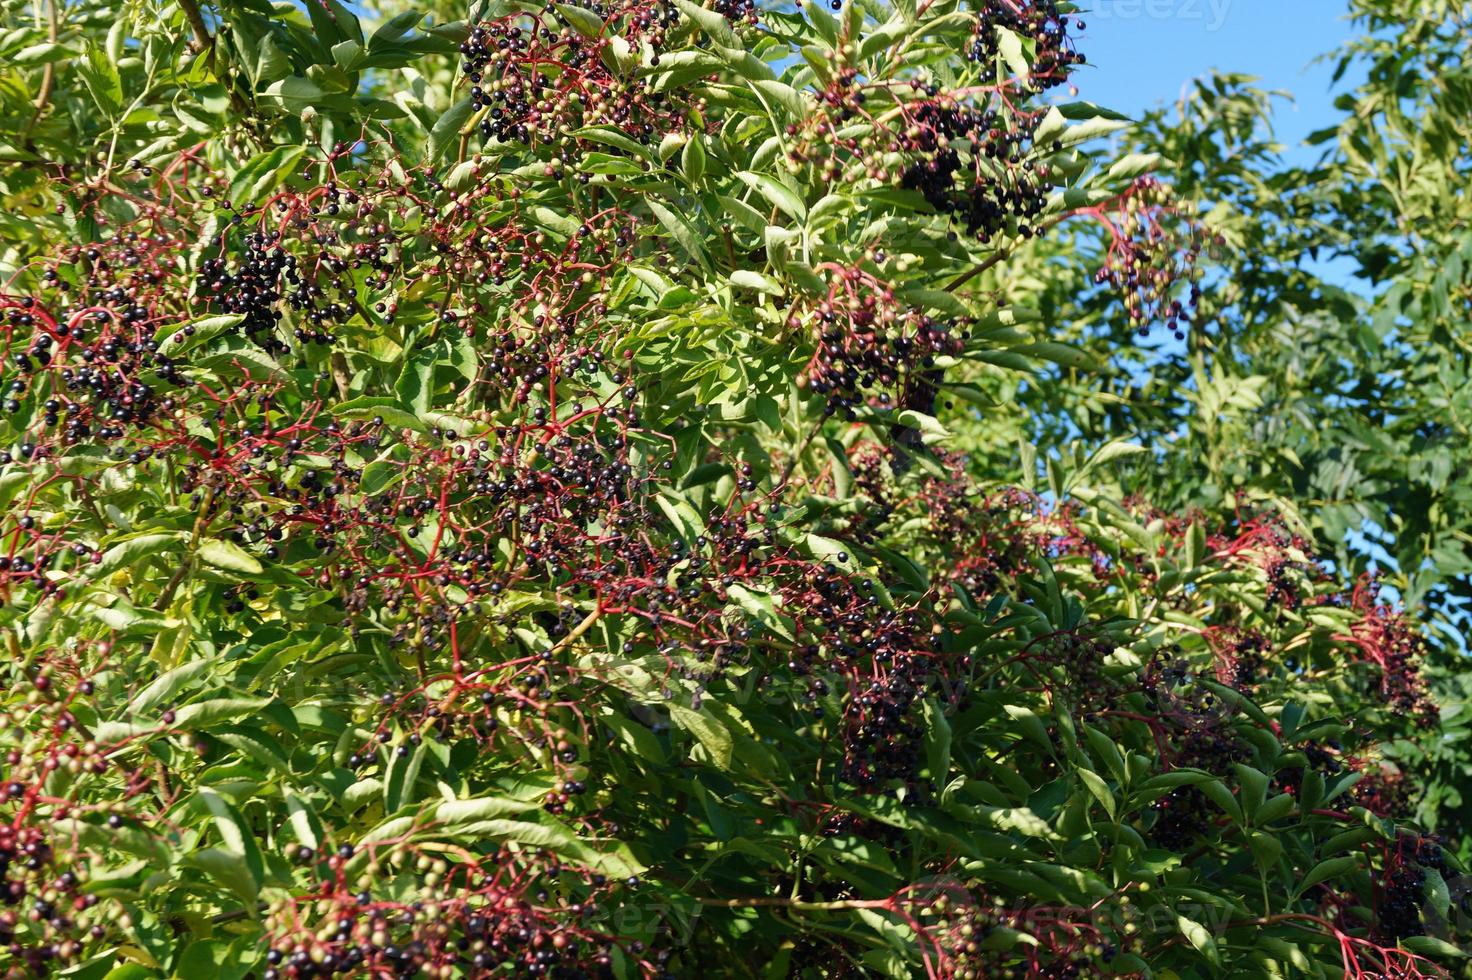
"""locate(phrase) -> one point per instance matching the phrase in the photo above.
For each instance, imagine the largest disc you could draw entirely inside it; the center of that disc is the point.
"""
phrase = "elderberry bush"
(532, 495)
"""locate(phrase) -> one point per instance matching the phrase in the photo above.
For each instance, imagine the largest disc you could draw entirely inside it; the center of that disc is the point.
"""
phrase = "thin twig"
(341, 375)
(788, 903)
(998, 256)
(167, 596)
(802, 447)
(577, 631)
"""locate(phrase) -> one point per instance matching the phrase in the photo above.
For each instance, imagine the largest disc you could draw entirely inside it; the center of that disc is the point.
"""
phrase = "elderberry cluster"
(1038, 21)
(739, 10)
(1152, 251)
(105, 391)
(266, 275)
(95, 387)
(1185, 813)
(50, 936)
(1402, 887)
(1244, 659)
(970, 933)
(868, 345)
(1074, 661)
(523, 104)
(883, 733)
(1388, 639)
(480, 920)
(1004, 190)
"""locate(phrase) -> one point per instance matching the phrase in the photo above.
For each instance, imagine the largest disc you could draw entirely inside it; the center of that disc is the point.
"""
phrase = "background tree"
(1329, 370)
(538, 496)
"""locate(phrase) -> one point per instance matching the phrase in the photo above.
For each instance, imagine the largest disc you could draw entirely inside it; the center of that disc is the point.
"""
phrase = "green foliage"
(557, 511)
(1332, 370)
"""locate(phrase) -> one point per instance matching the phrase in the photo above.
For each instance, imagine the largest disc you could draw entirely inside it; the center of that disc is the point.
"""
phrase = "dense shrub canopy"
(546, 495)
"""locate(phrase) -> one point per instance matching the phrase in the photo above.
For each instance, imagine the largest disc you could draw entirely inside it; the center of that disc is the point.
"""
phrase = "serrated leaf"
(263, 174)
(202, 714)
(1333, 868)
(682, 232)
(1134, 165)
(763, 609)
(127, 553)
(101, 77)
(714, 25)
(1010, 47)
(415, 386)
(692, 159)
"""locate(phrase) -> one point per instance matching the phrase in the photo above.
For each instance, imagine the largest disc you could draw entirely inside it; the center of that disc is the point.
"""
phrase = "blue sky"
(1144, 52)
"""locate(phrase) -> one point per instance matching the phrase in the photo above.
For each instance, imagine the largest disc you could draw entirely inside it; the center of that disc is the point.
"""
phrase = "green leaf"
(231, 870)
(692, 159)
(167, 685)
(709, 732)
(614, 137)
(784, 95)
(131, 551)
(395, 29)
(263, 174)
(1219, 794)
(779, 195)
(219, 959)
(682, 232)
(43, 54)
(1266, 848)
(241, 358)
(747, 279)
(1104, 749)
(1254, 788)
(1200, 937)
(392, 413)
(174, 339)
(937, 742)
(348, 55)
(1133, 165)
(304, 822)
(202, 714)
(1432, 946)
(446, 131)
(403, 774)
(1010, 46)
(1100, 790)
(711, 23)
(582, 20)
(462, 816)
(1333, 868)
(763, 609)
(295, 94)
(236, 835)
(415, 386)
(1060, 354)
(101, 77)
(231, 557)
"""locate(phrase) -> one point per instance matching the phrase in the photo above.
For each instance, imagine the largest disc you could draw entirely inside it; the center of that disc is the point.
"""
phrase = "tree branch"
(202, 39)
(48, 82)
